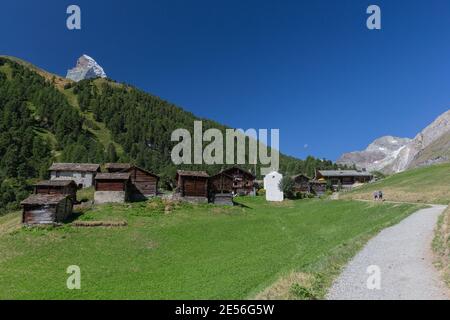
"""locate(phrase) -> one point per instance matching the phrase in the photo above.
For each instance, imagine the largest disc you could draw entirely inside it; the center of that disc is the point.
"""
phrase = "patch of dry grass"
(282, 288)
(441, 246)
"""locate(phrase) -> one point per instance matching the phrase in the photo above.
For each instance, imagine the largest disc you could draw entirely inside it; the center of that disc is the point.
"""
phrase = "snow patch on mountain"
(391, 154)
(86, 68)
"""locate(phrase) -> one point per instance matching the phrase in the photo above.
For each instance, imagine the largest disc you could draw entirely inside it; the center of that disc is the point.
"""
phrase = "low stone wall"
(101, 197)
(223, 199)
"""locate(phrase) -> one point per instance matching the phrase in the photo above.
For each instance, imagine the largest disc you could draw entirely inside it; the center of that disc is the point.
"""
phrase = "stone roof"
(55, 183)
(113, 176)
(44, 199)
(78, 167)
(344, 173)
(118, 166)
(185, 173)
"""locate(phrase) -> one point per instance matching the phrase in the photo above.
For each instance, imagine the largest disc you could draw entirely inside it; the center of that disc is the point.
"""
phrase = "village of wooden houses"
(52, 201)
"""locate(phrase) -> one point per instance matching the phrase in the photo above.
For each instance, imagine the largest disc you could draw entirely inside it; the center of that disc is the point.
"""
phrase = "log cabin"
(242, 181)
(221, 189)
(302, 183)
(66, 187)
(192, 185)
(144, 184)
(112, 187)
(82, 173)
(46, 209)
(318, 187)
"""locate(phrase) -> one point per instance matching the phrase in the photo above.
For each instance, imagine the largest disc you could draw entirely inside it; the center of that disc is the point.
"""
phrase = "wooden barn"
(243, 182)
(318, 187)
(193, 184)
(221, 189)
(66, 187)
(301, 183)
(112, 187)
(46, 209)
(144, 184)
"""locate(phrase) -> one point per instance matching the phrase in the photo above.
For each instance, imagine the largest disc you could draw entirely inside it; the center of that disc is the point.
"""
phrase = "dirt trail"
(402, 254)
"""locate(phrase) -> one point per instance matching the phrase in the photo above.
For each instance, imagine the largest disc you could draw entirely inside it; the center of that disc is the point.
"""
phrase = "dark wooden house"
(45, 209)
(192, 184)
(302, 183)
(242, 182)
(144, 184)
(221, 189)
(318, 187)
(112, 187)
(65, 187)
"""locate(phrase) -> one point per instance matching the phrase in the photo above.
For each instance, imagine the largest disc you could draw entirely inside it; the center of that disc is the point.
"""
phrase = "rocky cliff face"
(392, 154)
(86, 68)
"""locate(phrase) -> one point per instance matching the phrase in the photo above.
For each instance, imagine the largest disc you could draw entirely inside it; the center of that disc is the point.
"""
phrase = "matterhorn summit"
(86, 68)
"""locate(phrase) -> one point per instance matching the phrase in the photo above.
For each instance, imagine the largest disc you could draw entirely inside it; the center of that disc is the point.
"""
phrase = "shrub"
(287, 186)
(261, 192)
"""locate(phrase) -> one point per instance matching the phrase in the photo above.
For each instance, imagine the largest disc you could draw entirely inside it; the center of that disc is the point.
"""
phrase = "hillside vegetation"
(176, 251)
(46, 118)
(425, 185)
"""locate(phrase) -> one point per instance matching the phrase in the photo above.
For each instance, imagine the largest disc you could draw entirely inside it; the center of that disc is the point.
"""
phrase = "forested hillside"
(45, 118)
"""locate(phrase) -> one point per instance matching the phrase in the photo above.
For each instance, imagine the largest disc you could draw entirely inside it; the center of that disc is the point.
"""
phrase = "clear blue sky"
(310, 68)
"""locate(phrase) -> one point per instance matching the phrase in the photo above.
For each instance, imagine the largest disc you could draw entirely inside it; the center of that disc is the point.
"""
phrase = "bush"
(287, 187)
(261, 192)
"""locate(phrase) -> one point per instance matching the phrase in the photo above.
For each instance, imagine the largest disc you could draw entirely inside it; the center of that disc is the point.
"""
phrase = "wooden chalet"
(302, 183)
(144, 184)
(318, 187)
(343, 178)
(112, 187)
(65, 187)
(234, 180)
(46, 209)
(192, 184)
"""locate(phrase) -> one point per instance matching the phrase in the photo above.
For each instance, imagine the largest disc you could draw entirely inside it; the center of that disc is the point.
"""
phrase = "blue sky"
(310, 68)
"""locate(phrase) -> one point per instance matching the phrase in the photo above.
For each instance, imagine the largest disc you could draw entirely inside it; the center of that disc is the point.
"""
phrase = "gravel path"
(403, 255)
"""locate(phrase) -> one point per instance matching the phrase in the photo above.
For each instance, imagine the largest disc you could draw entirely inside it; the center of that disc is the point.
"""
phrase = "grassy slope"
(441, 246)
(192, 252)
(427, 185)
(98, 129)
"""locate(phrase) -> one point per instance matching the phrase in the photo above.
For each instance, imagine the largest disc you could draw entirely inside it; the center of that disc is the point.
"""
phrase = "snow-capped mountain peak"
(86, 68)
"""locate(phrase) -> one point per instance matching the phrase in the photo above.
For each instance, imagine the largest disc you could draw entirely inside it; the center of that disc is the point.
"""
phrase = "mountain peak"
(86, 68)
(391, 154)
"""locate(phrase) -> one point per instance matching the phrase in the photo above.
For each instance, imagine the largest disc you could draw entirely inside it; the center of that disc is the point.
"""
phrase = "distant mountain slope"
(45, 118)
(390, 154)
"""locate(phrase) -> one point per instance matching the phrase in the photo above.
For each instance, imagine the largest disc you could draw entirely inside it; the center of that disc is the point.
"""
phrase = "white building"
(82, 173)
(271, 184)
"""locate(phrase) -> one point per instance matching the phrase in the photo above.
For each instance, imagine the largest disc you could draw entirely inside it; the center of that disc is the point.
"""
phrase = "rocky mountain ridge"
(393, 154)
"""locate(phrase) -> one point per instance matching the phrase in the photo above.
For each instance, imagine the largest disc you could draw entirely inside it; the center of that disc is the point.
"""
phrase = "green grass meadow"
(190, 251)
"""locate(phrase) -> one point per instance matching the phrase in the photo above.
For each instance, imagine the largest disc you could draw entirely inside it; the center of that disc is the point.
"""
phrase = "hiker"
(380, 195)
(375, 195)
